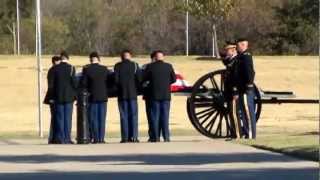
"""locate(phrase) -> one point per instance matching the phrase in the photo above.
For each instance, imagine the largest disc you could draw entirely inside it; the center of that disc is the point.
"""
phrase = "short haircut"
(55, 59)
(94, 55)
(159, 51)
(124, 52)
(64, 54)
(153, 54)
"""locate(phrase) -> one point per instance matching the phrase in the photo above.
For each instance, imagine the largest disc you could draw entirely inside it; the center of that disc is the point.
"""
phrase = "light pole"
(18, 27)
(187, 30)
(39, 66)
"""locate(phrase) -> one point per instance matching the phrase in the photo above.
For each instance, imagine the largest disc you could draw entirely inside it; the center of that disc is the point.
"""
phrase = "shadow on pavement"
(256, 174)
(152, 159)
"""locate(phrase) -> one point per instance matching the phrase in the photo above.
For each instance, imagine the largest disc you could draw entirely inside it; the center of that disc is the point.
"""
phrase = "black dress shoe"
(95, 142)
(153, 140)
(134, 140)
(102, 142)
(167, 140)
(70, 142)
(124, 141)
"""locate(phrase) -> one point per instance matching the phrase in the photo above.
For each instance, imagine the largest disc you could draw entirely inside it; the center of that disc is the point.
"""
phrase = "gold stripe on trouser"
(245, 100)
(235, 118)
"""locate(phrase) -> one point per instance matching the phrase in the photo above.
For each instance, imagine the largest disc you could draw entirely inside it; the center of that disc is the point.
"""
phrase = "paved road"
(185, 159)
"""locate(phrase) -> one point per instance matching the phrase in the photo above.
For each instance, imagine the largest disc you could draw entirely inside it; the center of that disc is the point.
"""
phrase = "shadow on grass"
(207, 58)
(307, 153)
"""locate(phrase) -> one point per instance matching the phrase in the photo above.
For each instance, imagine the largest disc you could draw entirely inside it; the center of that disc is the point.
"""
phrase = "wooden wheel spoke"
(202, 99)
(207, 118)
(202, 105)
(210, 125)
(204, 111)
(206, 114)
(214, 83)
(219, 127)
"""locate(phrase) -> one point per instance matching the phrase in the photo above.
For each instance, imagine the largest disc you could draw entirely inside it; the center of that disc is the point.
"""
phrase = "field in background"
(287, 127)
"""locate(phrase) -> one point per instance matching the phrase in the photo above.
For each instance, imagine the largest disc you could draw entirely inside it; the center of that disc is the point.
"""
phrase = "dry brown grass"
(18, 82)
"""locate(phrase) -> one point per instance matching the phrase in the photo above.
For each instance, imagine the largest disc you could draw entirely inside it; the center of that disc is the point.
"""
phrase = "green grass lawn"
(304, 146)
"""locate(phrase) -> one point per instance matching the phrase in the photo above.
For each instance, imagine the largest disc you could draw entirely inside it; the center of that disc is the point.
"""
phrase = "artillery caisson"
(208, 108)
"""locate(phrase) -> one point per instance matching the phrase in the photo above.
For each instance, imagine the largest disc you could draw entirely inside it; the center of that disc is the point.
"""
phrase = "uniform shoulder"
(168, 64)
(86, 66)
(118, 63)
(247, 53)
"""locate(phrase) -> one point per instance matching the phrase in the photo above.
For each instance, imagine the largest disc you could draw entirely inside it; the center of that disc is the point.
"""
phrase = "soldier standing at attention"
(146, 97)
(231, 87)
(127, 77)
(246, 89)
(63, 84)
(160, 75)
(94, 80)
(49, 100)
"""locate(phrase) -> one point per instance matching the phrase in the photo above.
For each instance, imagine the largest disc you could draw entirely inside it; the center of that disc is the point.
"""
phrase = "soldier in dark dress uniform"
(63, 84)
(49, 100)
(246, 89)
(127, 75)
(160, 75)
(94, 80)
(146, 97)
(231, 87)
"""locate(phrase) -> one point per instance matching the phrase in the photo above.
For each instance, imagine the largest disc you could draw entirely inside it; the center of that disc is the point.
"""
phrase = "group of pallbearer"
(153, 79)
(240, 88)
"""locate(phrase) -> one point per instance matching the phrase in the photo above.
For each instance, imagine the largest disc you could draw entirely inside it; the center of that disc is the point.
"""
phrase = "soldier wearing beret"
(246, 89)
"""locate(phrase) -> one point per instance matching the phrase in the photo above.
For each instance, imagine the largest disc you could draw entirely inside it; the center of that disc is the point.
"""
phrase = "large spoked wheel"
(208, 108)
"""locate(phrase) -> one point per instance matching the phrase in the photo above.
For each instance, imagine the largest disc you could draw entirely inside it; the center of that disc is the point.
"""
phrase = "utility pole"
(187, 29)
(39, 66)
(18, 28)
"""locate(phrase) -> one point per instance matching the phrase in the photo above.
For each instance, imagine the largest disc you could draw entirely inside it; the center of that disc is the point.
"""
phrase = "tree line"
(275, 27)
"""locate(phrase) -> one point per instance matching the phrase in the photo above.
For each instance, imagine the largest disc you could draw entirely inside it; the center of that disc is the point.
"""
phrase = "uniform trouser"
(148, 113)
(97, 120)
(247, 113)
(129, 119)
(235, 121)
(52, 124)
(160, 118)
(63, 122)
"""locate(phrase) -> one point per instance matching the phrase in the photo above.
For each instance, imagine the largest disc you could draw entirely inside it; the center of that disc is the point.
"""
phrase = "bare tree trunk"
(13, 32)
(216, 42)
(213, 41)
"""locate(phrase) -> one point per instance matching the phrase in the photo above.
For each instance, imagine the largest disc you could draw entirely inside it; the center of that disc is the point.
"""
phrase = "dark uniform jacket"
(95, 81)
(246, 71)
(127, 77)
(49, 95)
(62, 83)
(231, 76)
(160, 76)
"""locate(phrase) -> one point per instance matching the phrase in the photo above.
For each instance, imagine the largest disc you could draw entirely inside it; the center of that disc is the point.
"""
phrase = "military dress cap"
(230, 45)
(241, 40)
